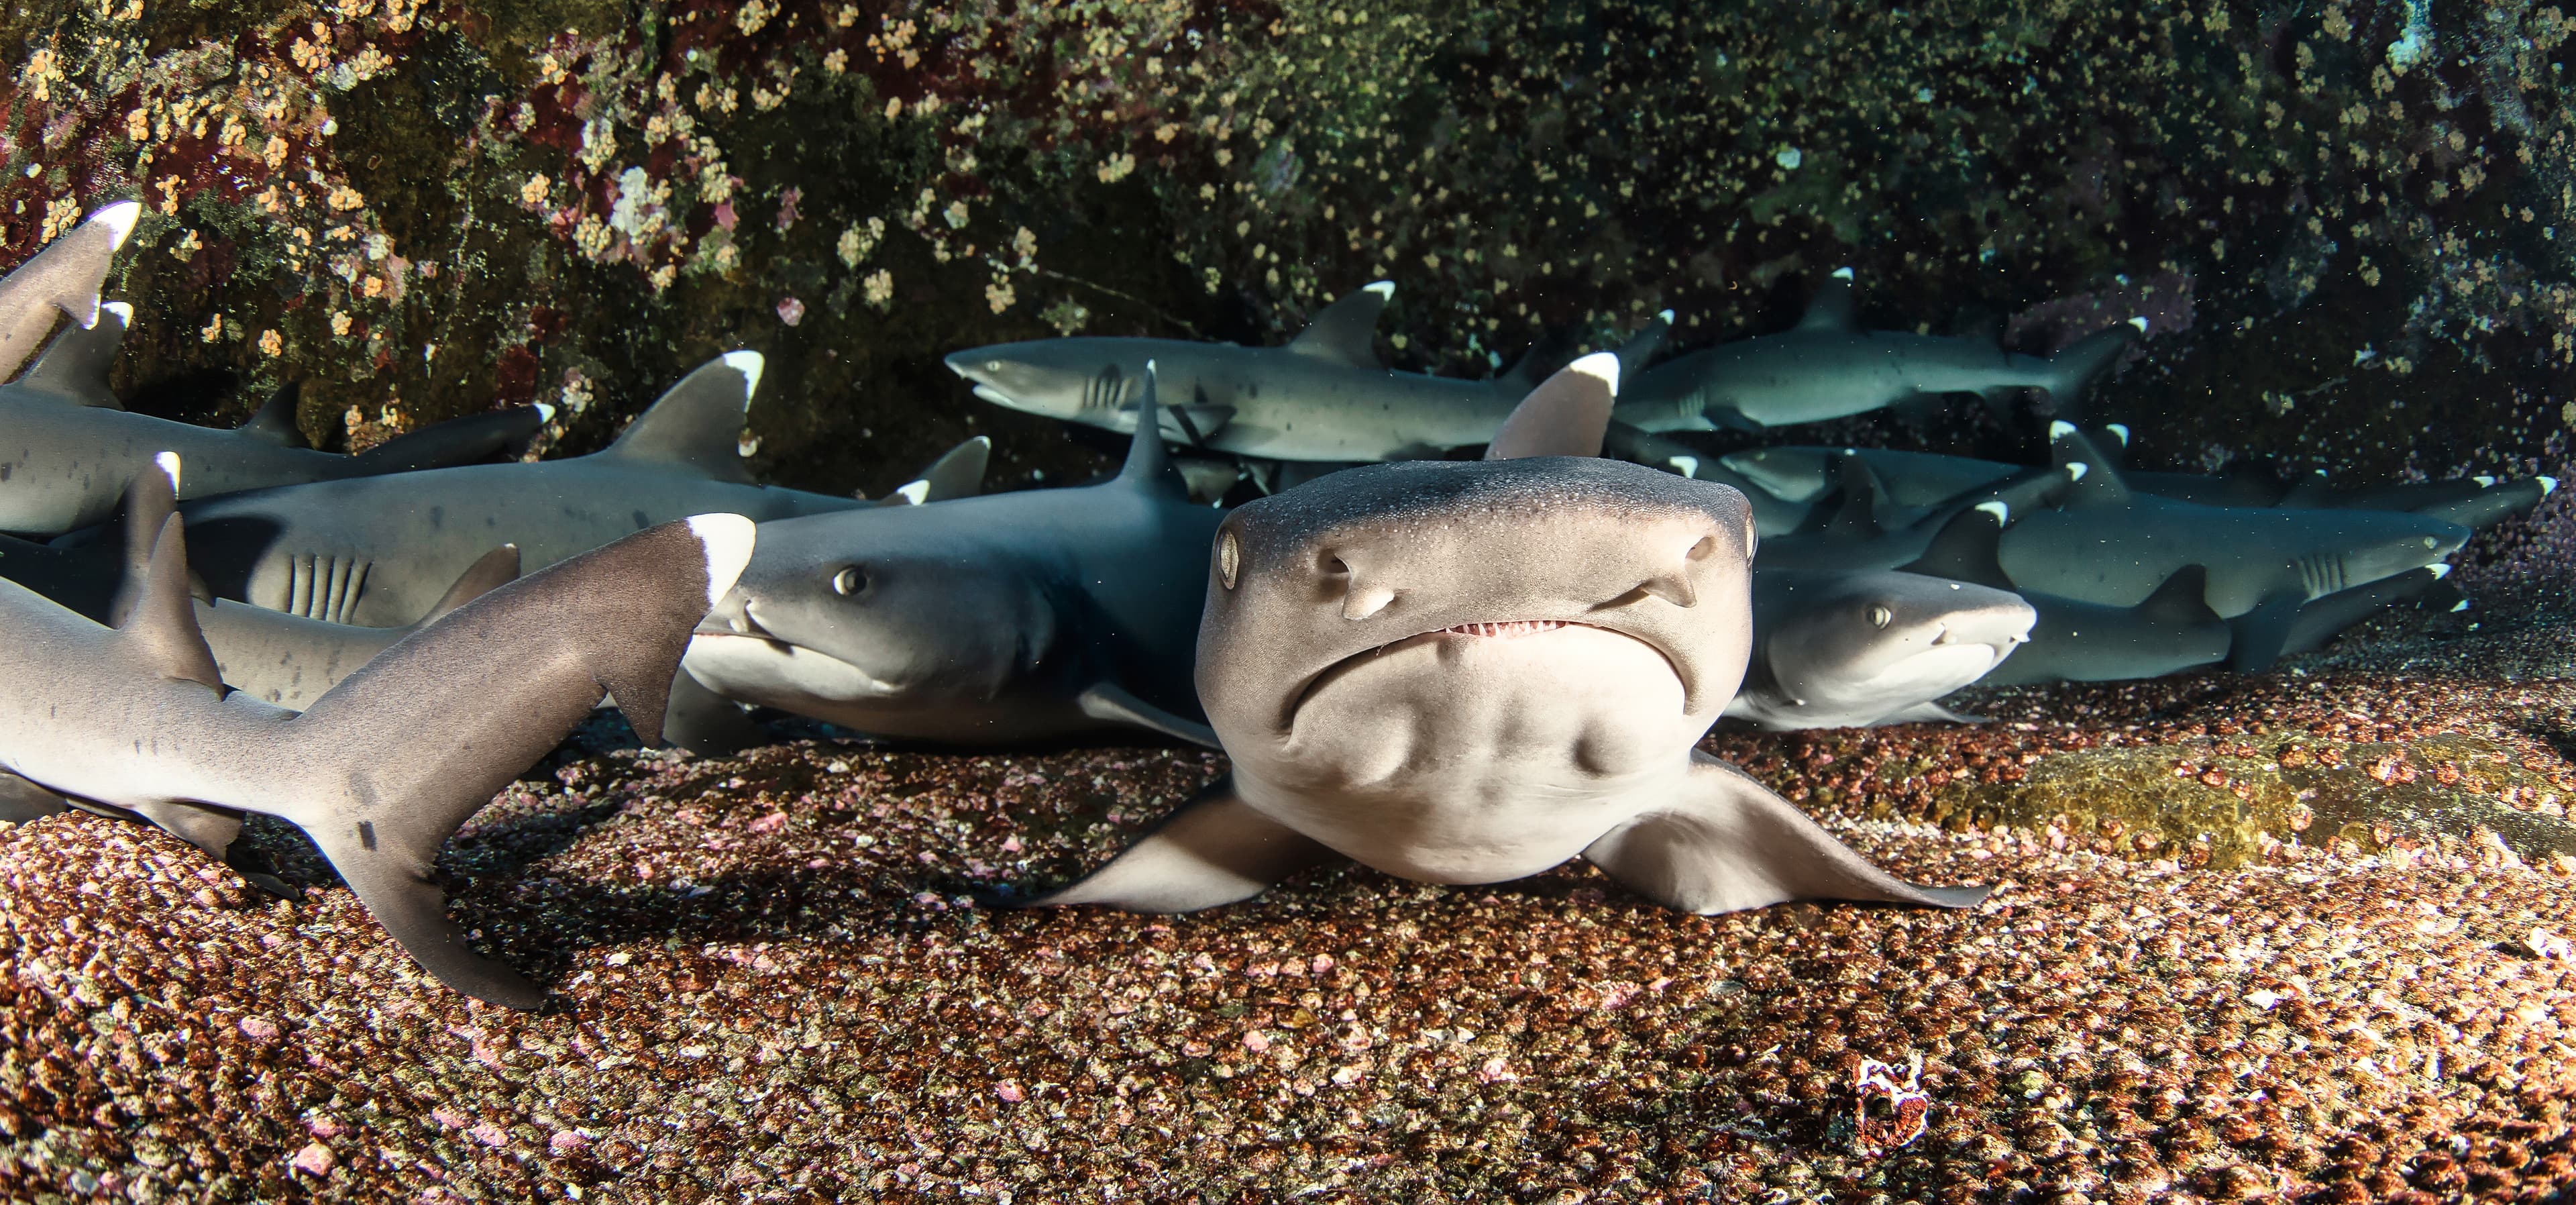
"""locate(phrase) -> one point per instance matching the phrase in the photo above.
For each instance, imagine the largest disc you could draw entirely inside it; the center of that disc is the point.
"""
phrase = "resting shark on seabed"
(2106, 543)
(270, 655)
(62, 278)
(67, 447)
(1773, 515)
(2171, 630)
(1848, 650)
(379, 551)
(135, 720)
(1324, 396)
(1004, 619)
(1867, 531)
(1459, 672)
(1828, 367)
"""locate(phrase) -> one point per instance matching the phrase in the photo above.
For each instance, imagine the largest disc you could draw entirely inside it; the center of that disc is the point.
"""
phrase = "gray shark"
(380, 770)
(1466, 672)
(63, 278)
(1773, 514)
(1829, 367)
(1002, 619)
(1810, 474)
(67, 447)
(1838, 650)
(2171, 630)
(2327, 617)
(272, 656)
(378, 551)
(1866, 531)
(2111, 545)
(1323, 397)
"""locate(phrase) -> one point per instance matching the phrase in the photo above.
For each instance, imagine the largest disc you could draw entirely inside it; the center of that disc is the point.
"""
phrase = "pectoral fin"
(1215, 850)
(2263, 632)
(1927, 713)
(706, 723)
(1114, 703)
(1731, 844)
(22, 801)
(391, 877)
(207, 828)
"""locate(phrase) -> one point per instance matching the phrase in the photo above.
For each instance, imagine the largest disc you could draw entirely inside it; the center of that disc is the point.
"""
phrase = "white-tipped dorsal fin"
(913, 493)
(161, 623)
(1687, 466)
(2076, 469)
(2119, 431)
(696, 426)
(2139, 323)
(169, 465)
(2060, 429)
(1567, 415)
(1832, 309)
(118, 220)
(545, 413)
(1843, 273)
(1345, 331)
(2440, 570)
(2548, 485)
(728, 540)
(74, 366)
(2001, 512)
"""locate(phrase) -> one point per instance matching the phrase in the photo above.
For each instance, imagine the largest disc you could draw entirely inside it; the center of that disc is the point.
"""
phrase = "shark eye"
(1880, 616)
(1229, 559)
(992, 366)
(2430, 542)
(849, 581)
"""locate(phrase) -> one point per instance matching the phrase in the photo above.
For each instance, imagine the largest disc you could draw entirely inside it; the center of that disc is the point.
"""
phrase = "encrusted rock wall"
(2350, 222)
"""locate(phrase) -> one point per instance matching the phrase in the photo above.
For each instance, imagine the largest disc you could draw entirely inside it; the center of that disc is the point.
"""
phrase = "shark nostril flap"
(1673, 588)
(1365, 601)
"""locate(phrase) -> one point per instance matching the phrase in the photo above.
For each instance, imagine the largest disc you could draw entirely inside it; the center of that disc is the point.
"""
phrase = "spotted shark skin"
(1460, 672)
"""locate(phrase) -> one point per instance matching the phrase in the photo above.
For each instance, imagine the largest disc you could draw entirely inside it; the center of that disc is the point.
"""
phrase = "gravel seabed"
(774, 980)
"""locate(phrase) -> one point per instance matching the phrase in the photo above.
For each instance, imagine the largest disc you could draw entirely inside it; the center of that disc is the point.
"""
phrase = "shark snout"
(733, 616)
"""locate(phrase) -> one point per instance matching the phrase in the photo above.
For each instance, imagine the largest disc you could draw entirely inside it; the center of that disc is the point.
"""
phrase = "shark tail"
(2070, 371)
(395, 758)
(472, 439)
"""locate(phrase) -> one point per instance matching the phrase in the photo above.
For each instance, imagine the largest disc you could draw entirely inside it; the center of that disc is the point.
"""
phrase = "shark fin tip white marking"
(2139, 323)
(2119, 431)
(545, 413)
(119, 219)
(1999, 509)
(123, 310)
(2060, 429)
(914, 492)
(982, 441)
(2441, 569)
(1665, 316)
(2076, 469)
(749, 364)
(2484, 482)
(1601, 366)
(2548, 485)
(169, 463)
(1687, 466)
(727, 540)
(2459, 606)
(1842, 273)
(1383, 288)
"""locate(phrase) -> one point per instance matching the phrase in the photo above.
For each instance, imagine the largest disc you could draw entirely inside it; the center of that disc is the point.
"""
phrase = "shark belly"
(817, 685)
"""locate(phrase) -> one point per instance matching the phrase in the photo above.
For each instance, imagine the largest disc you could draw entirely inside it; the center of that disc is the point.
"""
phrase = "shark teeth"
(1506, 628)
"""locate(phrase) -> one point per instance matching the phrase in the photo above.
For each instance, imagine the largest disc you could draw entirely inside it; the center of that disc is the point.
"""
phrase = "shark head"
(1837, 643)
(2388, 545)
(1421, 612)
(1070, 379)
(871, 612)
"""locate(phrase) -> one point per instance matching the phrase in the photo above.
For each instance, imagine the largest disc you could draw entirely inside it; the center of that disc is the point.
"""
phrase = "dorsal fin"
(1832, 308)
(275, 419)
(958, 473)
(1642, 346)
(2182, 599)
(150, 499)
(1567, 415)
(1344, 332)
(64, 275)
(162, 627)
(1968, 548)
(2100, 483)
(1862, 494)
(490, 572)
(697, 425)
(74, 366)
(1149, 465)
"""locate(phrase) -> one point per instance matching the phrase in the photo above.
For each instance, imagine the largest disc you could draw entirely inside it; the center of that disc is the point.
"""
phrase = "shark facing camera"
(1463, 672)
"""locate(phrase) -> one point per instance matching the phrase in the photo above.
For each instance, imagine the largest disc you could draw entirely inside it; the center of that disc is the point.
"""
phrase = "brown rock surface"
(772, 982)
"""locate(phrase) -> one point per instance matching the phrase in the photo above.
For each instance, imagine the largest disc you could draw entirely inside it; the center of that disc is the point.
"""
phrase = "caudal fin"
(2072, 370)
(384, 767)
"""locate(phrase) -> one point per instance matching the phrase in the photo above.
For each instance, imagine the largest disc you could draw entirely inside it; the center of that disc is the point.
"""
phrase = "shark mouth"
(763, 669)
(1507, 629)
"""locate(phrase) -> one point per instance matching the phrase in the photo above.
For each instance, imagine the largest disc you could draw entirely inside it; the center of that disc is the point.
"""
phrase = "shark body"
(1471, 672)
(1002, 619)
(1828, 366)
(379, 551)
(1322, 397)
(135, 720)
(2171, 630)
(62, 278)
(1837, 650)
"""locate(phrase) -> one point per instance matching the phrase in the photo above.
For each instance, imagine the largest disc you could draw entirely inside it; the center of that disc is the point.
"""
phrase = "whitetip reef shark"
(1460, 672)
(1322, 397)
(68, 446)
(135, 719)
(1828, 367)
(1009, 618)
(379, 551)
(1839, 650)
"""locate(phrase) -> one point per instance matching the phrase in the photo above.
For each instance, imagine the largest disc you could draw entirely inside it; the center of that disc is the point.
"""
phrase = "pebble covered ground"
(779, 978)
